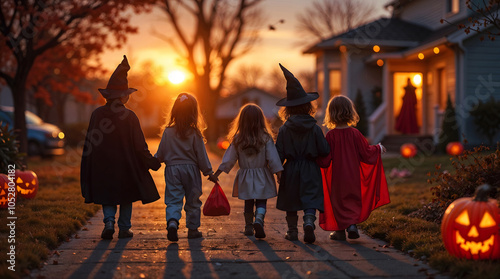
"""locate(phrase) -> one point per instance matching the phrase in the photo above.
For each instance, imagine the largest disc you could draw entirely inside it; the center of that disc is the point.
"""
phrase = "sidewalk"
(223, 252)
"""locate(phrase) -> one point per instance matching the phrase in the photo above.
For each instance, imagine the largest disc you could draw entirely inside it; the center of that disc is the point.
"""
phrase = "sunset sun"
(176, 76)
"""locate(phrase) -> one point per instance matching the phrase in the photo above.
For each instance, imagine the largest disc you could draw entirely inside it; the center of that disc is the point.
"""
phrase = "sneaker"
(172, 231)
(338, 235)
(125, 233)
(194, 233)
(352, 232)
(108, 231)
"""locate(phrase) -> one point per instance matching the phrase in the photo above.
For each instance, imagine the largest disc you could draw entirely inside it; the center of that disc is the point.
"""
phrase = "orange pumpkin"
(470, 227)
(26, 183)
(4, 186)
(454, 148)
(408, 150)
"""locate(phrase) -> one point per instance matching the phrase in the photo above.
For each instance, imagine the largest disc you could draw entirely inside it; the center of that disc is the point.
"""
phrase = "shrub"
(449, 128)
(487, 118)
(9, 151)
(472, 168)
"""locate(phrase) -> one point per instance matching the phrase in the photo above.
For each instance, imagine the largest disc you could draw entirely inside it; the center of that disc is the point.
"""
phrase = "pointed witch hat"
(295, 94)
(118, 83)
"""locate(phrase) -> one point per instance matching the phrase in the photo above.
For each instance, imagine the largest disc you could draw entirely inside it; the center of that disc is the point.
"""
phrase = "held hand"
(278, 176)
(382, 148)
(212, 177)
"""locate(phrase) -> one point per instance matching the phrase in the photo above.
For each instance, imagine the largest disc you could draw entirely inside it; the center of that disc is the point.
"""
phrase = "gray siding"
(482, 81)
(429, 13)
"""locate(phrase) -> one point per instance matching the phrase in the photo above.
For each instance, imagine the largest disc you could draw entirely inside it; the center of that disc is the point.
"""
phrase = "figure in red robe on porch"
(406, 122)
(354, 182)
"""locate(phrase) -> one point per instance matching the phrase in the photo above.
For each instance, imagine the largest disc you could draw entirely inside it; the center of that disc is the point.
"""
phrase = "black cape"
(300, 142)
(116, 160)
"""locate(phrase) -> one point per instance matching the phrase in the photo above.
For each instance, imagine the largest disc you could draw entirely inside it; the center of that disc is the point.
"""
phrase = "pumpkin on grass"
(4, 191)
(470, 227)
(26, 184)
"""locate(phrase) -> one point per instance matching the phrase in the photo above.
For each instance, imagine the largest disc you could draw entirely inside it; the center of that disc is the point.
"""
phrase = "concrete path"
(224, 252)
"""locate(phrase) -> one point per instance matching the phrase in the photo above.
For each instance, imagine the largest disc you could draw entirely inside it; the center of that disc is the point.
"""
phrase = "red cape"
(347, 203)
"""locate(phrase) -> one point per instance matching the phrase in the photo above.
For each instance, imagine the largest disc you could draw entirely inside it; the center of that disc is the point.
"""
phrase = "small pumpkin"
(470, 227)
(4, 191)
(454, 148)
(26, 184)
(408, 150)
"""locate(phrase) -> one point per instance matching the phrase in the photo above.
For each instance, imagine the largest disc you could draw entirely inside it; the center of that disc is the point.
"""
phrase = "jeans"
(125, 215)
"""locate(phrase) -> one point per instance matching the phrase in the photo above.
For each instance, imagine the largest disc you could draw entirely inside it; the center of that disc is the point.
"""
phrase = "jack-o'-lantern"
(408, 150)
(4, 193)
(454, 148)
(26, 183)
(470, 227)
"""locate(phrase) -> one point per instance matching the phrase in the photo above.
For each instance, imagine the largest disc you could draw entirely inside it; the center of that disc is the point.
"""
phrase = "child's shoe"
(248, 223)
(258, 225)
(125, 233)
(293, 233)
(108, 231)
(352, 232)
(338, 235)
(172, 231)
(309, 227)
(194, 233)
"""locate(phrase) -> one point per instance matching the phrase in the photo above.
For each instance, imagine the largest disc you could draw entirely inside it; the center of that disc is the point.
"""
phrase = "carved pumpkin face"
(470, 229)
(4, 186)
(27, 184)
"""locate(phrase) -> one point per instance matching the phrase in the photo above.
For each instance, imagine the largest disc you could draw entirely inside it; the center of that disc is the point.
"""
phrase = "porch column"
(387, 92)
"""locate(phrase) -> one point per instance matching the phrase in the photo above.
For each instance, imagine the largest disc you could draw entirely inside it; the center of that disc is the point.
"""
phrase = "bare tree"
(222, 30)
(326, 18)
(485, 13)
(246, 76)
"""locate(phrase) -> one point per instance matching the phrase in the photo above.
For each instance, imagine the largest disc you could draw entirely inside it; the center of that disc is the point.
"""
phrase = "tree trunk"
(19, 96)
(207, 99)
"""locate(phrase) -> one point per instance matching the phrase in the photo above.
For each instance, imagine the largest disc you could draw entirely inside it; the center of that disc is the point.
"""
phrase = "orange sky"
(279, 46)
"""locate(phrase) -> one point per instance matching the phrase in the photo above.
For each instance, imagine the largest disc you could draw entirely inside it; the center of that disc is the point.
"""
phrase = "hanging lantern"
(4, 187)
(408, 150)
(26, 183)
(470, 227)
(454, 148)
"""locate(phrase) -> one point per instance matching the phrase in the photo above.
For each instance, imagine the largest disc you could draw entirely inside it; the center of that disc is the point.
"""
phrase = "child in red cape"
(354, 182)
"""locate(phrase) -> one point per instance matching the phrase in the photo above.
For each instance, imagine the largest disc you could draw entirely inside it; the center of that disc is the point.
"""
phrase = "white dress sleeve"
(272, 157)
(229, 159)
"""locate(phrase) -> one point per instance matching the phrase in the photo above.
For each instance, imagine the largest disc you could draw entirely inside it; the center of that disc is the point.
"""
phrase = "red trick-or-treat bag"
(217, 203)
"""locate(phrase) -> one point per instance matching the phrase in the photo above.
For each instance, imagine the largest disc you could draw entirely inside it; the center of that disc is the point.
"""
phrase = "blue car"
(44, 139)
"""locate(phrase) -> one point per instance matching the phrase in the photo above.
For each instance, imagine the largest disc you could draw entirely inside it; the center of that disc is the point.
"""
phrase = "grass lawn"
(418, 237)
(53, 216)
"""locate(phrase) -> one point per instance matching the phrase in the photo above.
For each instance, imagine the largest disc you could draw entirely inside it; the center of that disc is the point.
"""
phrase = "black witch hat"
(295, 94)
(118, 83)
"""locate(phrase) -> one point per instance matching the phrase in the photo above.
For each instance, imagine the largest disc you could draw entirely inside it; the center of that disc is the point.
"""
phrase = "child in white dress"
(253, 148)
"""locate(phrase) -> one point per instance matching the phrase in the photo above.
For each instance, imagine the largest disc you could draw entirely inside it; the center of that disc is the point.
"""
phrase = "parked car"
(44, 139)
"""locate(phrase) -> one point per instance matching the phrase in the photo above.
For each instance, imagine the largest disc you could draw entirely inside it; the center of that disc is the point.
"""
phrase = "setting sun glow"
(176, 76)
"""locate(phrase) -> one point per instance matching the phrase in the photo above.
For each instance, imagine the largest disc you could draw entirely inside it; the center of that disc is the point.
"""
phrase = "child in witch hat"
(299, 143)
(116, 160)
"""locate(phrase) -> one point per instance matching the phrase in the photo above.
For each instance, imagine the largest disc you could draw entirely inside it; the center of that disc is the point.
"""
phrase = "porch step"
(423, 142)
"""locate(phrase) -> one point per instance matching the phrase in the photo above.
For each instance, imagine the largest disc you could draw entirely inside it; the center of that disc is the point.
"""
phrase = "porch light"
(421, 56)
(436, 50)
(380, 62)
(376, 48)
(417, 80)
(342, 48)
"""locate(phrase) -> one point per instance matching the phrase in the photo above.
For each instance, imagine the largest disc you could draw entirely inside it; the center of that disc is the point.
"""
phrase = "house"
(438, 58)
(229, 107)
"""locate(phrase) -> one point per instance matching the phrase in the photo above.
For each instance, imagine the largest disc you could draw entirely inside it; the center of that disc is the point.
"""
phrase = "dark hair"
(185, 116)
(286, 112)
(250, 130)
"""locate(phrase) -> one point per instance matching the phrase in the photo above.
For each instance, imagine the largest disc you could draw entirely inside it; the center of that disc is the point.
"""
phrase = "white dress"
(254, 179)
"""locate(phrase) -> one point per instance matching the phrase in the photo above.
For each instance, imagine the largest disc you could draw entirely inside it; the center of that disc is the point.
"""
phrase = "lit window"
(452, 6)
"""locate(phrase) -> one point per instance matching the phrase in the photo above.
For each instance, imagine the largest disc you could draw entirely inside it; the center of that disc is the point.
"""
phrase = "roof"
(383, 32)
(242, 93)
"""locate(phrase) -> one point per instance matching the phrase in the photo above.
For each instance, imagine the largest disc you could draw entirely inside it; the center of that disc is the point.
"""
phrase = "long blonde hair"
(185, 116)
(250, 130)
(340, 110)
